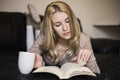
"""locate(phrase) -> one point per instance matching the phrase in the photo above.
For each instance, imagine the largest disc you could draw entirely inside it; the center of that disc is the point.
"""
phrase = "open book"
(66, 71)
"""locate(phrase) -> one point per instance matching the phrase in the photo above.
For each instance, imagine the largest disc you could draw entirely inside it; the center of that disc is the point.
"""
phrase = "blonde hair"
(50, 39)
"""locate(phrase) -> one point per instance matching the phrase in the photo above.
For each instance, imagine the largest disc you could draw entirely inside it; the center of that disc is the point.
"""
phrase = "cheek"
(57, 31)
(68, 25)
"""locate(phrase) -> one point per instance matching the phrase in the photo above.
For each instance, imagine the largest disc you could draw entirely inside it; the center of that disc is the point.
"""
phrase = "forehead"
(58, 16)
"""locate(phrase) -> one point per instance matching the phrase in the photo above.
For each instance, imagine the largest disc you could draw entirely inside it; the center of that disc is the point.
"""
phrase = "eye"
(57, 24)
(67, 20)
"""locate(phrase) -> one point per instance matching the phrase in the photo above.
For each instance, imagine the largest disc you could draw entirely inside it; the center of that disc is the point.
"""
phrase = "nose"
(64, 27)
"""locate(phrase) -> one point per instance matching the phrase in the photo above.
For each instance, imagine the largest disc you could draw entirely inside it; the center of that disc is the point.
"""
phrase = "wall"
(90, 12)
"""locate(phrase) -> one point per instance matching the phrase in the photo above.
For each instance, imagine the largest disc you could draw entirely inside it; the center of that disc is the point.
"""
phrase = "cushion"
(12, 31)
(103, 45)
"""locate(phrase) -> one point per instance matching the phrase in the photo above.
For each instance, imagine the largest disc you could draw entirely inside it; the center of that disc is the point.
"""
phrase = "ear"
(34, 14)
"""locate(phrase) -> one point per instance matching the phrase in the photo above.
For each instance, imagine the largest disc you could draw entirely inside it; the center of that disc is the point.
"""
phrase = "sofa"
(13, 38)
(107, 52)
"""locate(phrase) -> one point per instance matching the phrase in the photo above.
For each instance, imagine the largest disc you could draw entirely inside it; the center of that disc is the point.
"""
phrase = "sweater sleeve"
(86, 43)
(36, 45)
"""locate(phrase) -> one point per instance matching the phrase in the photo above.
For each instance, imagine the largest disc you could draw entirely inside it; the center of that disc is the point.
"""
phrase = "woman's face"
(61, 26)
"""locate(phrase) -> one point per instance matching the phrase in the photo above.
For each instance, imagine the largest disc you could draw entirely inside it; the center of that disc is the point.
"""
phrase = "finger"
(79, 56)
(87, 54)
(83, 54)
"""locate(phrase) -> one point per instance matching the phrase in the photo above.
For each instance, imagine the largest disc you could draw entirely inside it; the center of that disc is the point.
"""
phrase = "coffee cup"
(26, 62)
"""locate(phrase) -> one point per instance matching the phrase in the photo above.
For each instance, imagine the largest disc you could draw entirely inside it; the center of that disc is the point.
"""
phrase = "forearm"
(36, 49)
(86, 44)
(93, 66)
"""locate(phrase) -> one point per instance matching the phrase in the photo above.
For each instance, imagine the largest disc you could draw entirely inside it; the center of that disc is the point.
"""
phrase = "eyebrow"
(59, 21)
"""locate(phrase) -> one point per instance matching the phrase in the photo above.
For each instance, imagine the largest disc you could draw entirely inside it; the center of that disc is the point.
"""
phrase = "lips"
(66, 34)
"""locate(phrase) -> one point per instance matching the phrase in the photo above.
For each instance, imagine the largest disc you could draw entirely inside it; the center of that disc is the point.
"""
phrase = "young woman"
(61, 41)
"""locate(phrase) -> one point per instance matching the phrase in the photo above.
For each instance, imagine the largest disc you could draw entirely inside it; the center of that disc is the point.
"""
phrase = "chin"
(67, 38)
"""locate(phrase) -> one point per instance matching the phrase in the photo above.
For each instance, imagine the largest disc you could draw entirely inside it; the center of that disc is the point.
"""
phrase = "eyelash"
(57, 25)
(67, 21)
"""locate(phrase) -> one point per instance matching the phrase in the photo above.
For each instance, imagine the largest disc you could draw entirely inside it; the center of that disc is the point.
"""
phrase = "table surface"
(9, 71)
(12, 72)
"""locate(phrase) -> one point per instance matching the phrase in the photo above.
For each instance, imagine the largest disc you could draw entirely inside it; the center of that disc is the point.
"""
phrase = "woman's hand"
(83, 56)
(38, 61)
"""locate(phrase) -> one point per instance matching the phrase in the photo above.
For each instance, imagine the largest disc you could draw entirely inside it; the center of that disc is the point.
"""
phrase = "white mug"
(26, 62)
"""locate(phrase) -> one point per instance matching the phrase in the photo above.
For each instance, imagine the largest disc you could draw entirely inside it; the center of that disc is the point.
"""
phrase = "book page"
(50, 69)
(79, 71)
(65, 67)
(73, 69)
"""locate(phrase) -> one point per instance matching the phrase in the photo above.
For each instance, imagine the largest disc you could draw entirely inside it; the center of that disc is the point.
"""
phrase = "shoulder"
(84, 36)
(84, 39)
